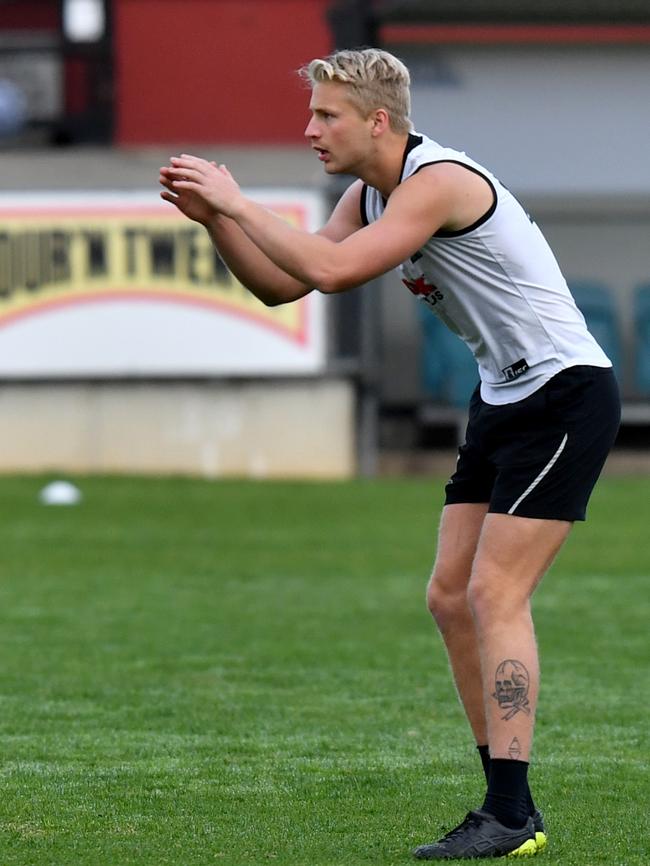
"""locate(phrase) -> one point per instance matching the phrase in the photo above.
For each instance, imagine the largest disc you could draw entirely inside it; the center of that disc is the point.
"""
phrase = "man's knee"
(491, 598)
(481, 597)
(447, 598)
(513, 554)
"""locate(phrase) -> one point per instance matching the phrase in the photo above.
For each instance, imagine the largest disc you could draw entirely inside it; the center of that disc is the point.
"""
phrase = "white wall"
(271, 429)
(546, 120)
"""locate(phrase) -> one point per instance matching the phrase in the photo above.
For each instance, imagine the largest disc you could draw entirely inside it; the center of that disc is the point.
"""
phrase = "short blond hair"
(376, 79)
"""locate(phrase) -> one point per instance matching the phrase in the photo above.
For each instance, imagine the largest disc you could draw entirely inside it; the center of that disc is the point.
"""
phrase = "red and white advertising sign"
(104, 285)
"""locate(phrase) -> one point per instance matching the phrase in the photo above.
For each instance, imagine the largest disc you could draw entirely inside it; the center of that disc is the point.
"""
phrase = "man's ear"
(380, 121)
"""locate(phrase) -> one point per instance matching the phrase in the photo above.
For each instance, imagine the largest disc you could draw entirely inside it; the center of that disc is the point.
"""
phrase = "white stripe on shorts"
(541, 475)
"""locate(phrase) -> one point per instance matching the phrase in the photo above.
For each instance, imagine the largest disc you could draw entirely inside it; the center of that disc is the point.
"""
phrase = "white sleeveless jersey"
(497, 285)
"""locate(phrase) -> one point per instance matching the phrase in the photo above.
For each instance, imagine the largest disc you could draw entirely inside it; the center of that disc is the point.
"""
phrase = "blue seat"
(642, 339)
(597, 306)
(449, 372)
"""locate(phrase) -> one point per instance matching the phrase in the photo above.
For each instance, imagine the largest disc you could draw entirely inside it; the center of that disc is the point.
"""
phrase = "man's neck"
(384, 171)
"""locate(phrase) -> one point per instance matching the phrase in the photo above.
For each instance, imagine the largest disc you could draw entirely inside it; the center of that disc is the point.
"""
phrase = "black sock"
(484, 752)
(532, 808)
(506, 796)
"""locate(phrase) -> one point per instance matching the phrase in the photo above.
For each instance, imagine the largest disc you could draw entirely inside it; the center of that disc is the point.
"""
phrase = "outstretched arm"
(416, 209)
(251, 267)
(255, 270)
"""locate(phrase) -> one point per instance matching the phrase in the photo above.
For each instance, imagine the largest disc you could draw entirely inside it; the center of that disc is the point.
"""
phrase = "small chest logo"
(515, 370)
(421, 289)
(419, 286)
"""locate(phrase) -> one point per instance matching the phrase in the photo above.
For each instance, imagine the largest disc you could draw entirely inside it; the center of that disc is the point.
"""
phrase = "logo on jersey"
(515, 370)
(419, 286)
(421, 289)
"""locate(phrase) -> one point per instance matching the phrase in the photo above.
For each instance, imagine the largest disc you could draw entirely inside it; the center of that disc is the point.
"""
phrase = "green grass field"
(241, 673)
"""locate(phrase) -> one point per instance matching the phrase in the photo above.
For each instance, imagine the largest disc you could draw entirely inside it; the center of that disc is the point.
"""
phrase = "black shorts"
(539, 457)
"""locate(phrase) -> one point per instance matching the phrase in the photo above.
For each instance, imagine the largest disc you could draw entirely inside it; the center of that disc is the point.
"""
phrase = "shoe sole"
(530, 846)
(526, 850)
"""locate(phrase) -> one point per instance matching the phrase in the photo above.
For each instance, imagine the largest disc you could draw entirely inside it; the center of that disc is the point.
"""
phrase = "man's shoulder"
(431, 153)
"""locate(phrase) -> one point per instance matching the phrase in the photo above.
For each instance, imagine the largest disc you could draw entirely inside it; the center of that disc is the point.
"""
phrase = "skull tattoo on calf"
(511, 688)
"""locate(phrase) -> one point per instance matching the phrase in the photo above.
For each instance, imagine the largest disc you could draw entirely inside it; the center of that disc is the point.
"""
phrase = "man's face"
(337, 131)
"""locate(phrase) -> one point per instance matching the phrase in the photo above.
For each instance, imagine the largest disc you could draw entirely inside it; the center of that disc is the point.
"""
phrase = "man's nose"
(311, 130)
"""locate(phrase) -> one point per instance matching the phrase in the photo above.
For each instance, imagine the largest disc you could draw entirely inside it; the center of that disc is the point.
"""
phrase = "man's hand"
(200, 189)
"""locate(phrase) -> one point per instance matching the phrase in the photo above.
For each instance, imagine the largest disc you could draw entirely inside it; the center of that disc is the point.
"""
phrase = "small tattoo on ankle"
(511, 682)
(514, 749)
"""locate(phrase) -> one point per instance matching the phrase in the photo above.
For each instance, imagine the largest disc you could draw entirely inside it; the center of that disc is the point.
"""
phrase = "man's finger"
(181, 173)
(186, 184)
(185, 160)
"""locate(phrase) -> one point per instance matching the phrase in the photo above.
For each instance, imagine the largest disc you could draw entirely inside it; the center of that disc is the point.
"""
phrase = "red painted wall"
(201, 71)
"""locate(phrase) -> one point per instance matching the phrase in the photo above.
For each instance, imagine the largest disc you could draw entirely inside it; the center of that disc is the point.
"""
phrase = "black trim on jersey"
(443, 233)
(362, 204)
(412, 142)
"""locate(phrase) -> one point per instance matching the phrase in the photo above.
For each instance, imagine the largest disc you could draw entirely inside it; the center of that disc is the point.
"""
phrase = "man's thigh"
(513, 553)
(458, 537)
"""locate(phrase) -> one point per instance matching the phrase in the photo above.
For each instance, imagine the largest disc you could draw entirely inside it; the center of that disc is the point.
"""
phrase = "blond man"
(541, 420)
